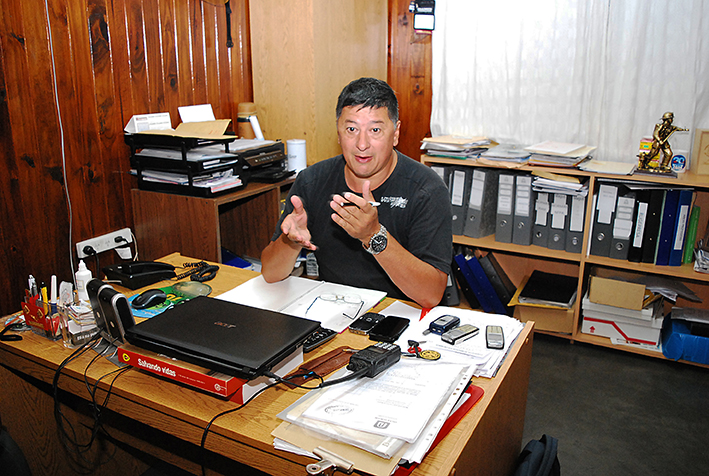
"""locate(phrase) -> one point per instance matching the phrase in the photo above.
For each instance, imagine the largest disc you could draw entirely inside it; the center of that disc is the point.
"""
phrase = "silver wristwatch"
(378, 241)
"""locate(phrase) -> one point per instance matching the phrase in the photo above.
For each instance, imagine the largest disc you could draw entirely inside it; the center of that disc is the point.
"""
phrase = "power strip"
(103, 243)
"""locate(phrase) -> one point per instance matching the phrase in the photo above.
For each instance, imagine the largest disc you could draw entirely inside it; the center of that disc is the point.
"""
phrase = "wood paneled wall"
(113, 59)
(410, 76)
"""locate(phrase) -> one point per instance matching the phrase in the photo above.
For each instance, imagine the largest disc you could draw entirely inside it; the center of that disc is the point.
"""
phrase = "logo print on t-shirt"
(395, 202)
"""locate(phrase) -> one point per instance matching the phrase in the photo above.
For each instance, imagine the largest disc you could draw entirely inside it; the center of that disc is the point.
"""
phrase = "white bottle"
(83, 276)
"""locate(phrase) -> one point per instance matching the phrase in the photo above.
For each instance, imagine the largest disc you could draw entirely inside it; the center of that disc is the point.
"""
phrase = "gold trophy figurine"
(660, 144)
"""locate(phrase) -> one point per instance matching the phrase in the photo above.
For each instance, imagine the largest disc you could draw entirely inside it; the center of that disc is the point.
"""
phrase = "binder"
(493, 300)
(557, 227)
(459, 189)
(640, 213)
(505, 208)
(667, 227)
(603, 220)
(502, 284)
(540, 230)
(522, 230)
(574, 234)
(472, 282)
(622, 226)
(683, 207)
(451, 297)
(652, 225)
(480, 217)
(464, 285)
(691, 239)
(442, 171)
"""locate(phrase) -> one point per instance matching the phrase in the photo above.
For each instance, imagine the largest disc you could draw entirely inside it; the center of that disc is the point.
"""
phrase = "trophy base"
(656, 172)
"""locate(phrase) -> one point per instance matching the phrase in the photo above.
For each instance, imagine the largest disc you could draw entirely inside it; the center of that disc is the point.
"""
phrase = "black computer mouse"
(149, 298)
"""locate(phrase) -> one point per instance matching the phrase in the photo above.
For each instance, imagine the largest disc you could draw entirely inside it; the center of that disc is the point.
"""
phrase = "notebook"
(238, 340)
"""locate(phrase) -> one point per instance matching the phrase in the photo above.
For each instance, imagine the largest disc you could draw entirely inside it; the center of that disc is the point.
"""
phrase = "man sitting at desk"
(375, 218)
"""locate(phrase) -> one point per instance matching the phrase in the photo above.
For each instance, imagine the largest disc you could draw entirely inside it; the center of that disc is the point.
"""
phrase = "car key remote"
(317, 338)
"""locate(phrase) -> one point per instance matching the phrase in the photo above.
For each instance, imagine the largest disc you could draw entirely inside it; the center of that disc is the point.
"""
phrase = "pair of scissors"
(11, 337)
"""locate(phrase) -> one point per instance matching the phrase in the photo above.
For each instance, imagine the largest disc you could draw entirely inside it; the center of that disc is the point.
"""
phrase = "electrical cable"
(66, 438)
(69, 437)
(62, 145)
(278, 380)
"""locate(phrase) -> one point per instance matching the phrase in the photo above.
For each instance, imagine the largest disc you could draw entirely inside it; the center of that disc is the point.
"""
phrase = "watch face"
(378, 243)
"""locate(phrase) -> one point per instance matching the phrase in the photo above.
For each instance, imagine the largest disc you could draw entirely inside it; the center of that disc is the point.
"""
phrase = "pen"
(350, 204)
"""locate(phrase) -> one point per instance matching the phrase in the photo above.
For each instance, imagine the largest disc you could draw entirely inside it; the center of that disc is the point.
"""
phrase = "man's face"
(368, 137)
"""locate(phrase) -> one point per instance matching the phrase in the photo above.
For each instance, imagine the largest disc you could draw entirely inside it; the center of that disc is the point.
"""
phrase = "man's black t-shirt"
(415, 209)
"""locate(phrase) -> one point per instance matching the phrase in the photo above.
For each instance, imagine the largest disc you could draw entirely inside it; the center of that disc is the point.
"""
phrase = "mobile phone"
(495, 337)
(443, 324)
(459, 334)
(389, 329)
(365, 322)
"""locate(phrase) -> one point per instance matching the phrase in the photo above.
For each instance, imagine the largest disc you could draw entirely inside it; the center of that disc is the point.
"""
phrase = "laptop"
(232, 338)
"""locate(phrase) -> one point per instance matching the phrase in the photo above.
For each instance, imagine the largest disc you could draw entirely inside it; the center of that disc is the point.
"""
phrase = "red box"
(236, 389)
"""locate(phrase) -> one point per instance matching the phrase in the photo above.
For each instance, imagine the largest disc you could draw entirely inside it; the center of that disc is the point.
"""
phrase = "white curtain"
(600, 73)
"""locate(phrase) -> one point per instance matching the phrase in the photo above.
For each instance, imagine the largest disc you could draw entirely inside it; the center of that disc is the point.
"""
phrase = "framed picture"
(700, 152)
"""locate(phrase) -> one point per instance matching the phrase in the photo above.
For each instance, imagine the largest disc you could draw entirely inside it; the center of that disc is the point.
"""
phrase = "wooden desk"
(242, 221)
(164, 420)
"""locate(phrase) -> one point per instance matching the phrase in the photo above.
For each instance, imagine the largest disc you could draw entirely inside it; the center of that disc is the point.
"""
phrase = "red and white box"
(629, 329)
(235, 389)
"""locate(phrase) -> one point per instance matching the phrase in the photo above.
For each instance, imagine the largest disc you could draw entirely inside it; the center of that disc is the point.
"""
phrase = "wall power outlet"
(104, 243)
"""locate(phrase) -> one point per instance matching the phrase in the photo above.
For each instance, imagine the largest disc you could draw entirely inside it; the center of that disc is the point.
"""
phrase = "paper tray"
(187, 189)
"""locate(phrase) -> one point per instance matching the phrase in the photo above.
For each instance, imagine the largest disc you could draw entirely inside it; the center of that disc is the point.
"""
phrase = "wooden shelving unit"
(519, 261)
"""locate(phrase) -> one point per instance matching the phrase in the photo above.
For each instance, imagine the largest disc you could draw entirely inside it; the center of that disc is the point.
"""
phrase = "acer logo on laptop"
(224, 324)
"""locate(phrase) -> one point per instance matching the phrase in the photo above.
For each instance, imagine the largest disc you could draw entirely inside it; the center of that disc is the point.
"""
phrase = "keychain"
(415, 351)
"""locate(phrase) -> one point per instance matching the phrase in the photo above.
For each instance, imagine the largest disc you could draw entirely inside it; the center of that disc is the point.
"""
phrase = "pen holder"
(39, 317)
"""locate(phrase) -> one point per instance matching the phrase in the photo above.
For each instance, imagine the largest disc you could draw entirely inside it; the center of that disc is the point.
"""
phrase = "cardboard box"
(546, 319)
(614, 292)
(236, 389)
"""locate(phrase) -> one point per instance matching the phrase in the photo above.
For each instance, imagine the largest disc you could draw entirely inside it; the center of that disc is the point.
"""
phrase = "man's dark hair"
(369, 92)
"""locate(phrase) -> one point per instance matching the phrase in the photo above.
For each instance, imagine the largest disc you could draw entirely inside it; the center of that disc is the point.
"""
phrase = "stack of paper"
(546, 182)
(558, 154)
(208, 156)
(301, 297)
(397, 415)
(215, 182)
(455, 146)
(614, 168)
(474, 352)
(508, 153)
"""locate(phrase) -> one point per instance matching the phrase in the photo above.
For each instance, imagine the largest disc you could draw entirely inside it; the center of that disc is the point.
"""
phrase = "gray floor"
(617, 413)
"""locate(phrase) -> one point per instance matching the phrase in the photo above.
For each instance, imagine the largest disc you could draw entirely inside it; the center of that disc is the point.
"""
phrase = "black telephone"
(139, 273)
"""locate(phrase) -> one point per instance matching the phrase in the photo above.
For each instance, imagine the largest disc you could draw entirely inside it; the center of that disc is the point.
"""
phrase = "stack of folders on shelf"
(483, 282)
(559, 211)
(455, 146)
(558, 154)
(644, 223)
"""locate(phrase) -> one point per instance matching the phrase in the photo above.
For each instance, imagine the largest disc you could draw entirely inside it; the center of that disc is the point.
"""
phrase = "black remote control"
(317, 338)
